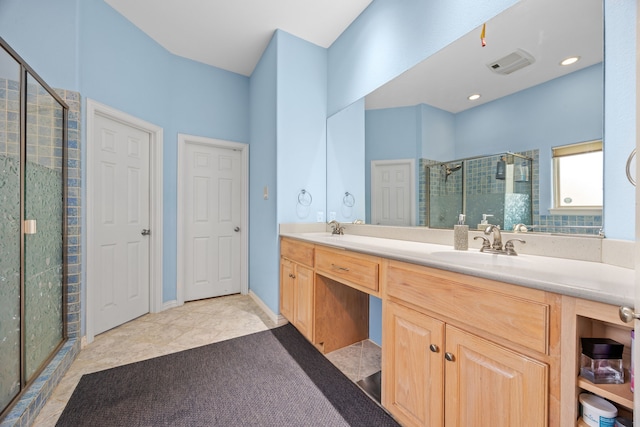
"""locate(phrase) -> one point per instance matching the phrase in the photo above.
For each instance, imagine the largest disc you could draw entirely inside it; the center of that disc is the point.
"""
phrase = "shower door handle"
(145, 232)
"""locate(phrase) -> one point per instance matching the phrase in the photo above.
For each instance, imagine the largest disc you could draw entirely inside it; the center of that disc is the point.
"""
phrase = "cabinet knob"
(449, 356)
(434, 348)
(627, 314)
(293, 276)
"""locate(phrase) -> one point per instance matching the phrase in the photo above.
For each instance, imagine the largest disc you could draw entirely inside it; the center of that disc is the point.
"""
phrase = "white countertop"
(584, 279)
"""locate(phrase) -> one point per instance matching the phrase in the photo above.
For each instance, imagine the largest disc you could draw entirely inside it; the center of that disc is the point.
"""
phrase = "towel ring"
(628, 169)
(304, 198)
(348, 200)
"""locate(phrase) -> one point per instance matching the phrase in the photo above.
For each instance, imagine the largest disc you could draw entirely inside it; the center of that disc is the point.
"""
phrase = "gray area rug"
(270, 378)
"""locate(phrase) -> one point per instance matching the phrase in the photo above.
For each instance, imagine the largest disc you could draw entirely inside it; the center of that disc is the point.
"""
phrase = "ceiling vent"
(512, 62)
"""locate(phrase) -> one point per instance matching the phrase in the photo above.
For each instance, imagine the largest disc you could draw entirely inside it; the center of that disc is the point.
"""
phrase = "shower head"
(449, 169)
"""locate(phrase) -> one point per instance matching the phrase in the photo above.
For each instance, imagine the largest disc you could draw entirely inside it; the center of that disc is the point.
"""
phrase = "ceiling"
(550, 30)
(232, 34)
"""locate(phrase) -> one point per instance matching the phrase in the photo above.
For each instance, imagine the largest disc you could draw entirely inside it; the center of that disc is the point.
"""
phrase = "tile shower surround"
(544, 223)
(33, 399)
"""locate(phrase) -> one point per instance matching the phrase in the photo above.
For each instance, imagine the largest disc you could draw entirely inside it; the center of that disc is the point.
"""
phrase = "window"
(577, 176)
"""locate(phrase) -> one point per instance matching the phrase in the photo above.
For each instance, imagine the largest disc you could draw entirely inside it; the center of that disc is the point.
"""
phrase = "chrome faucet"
(496, 246)
(336, 228)
(497, 237)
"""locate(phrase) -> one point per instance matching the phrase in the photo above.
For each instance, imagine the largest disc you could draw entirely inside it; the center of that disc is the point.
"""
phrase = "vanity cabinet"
(490, 385)
(297, 285)
(459, 350)
(413, 346)
(321, 293)
(359, 271)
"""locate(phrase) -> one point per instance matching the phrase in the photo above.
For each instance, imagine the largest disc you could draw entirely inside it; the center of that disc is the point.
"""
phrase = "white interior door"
(393, 192)
(120, 275)
(212, 182)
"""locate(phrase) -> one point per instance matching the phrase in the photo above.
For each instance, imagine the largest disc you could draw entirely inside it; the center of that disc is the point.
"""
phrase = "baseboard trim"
(278, 319)
(169, 304)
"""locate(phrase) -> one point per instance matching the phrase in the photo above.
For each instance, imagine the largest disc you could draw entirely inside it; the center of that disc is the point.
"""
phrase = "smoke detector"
(511, 63)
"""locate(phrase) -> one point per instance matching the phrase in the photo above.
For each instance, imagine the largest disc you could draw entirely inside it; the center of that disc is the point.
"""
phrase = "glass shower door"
(32, 218)
(9, 228)
(43, 213)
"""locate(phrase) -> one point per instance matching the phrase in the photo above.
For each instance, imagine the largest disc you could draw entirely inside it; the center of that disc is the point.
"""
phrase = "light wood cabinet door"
(489, 385)
(296, 295)
(413, 366)
(303, 313)
(287, 288)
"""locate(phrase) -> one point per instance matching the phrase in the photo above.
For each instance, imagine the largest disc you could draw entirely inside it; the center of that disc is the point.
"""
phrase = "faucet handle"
(486, 244)
(336, 228)
(508, 247)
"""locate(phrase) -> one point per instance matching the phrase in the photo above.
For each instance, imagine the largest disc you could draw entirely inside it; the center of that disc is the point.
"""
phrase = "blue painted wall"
(346, 169)
(620, 116)
(288, 140)
(124, 68)
(375, 320)
(390, 134)
(301, 121)
(45, 34)
(89, 47)
(263, 223)
(438, 133)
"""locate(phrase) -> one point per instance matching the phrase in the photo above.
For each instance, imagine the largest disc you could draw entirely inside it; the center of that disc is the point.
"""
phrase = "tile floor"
(194, 324)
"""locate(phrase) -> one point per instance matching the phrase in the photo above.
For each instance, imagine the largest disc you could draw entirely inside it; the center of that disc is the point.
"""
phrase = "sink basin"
(480, 259)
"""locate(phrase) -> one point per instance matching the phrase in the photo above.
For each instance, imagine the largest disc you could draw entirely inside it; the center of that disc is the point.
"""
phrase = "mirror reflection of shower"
(448, 170)
(498, 184)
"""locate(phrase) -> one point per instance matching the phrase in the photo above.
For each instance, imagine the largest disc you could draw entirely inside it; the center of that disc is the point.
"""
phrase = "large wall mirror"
(381, 150)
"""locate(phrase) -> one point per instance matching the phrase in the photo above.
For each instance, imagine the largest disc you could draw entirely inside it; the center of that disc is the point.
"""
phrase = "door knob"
(449, 356)
(145, 232)
(627, 314)
(434, 348)
(236, 229)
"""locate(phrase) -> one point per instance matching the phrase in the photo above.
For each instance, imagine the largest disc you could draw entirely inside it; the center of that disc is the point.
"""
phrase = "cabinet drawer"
(521, 321)
(297, 251)
(356, 270)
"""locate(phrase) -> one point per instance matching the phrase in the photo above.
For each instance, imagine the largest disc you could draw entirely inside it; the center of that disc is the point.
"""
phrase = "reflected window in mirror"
(578, 178)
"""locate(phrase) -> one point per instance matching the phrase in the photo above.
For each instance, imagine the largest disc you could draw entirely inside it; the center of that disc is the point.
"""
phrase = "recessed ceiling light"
(570, 60)
(473, 97)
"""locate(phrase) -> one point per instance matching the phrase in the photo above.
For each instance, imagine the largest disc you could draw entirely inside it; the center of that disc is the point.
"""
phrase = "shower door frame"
(25, 71)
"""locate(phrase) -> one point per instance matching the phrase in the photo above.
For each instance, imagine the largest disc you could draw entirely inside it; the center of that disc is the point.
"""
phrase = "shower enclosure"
(499, 186)
(33, 121)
